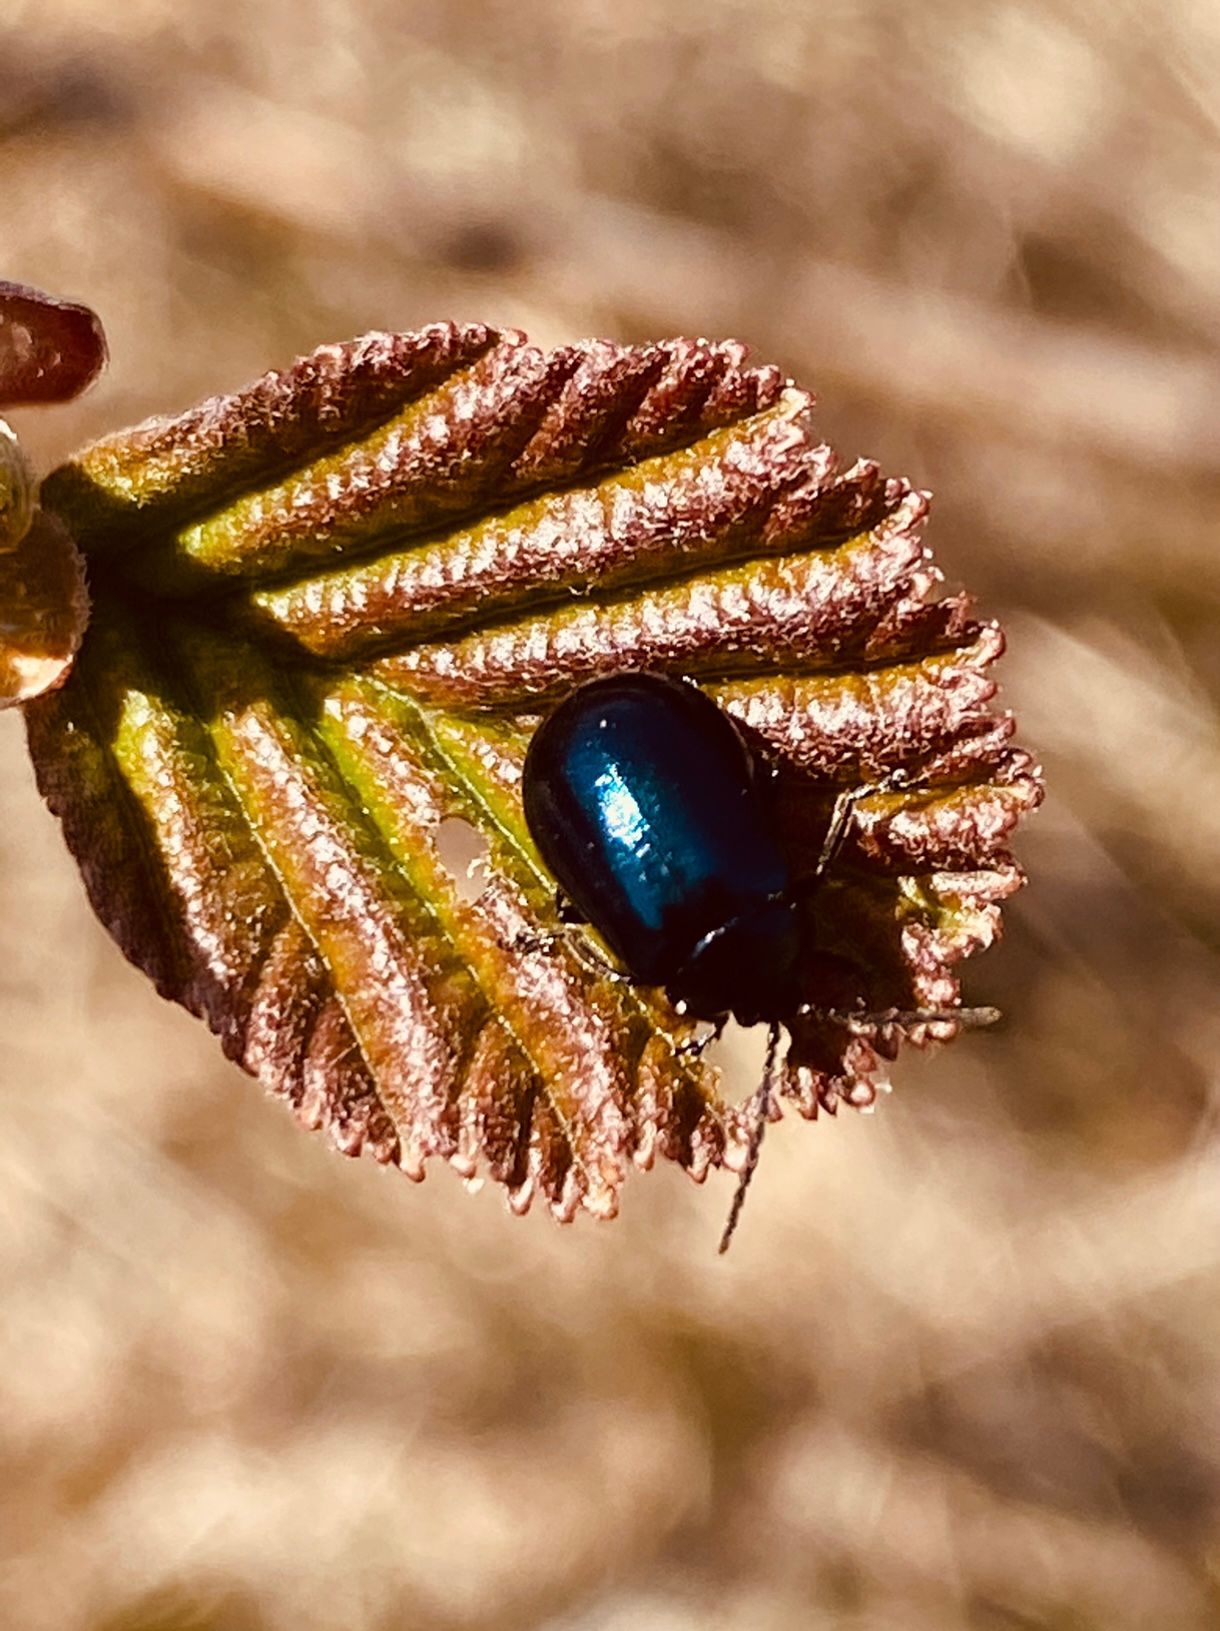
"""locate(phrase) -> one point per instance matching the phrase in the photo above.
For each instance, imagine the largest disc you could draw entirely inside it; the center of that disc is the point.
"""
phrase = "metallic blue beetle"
(659, 826)
(648, 808)
(650, 811)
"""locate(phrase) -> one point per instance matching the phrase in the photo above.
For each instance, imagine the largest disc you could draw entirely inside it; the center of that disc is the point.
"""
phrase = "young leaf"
(329, 610)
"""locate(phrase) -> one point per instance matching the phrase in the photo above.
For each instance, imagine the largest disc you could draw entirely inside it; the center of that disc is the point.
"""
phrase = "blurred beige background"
(962, 1367)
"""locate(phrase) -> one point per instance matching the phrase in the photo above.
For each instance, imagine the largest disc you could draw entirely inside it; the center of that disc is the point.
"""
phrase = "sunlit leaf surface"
(328, 612)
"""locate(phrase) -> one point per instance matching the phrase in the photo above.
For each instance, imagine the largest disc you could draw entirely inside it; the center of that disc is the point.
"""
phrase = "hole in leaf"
(739, 1054)
(462, 849)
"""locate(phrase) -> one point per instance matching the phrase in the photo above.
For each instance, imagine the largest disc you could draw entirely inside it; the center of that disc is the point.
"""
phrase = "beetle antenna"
(762, 1115)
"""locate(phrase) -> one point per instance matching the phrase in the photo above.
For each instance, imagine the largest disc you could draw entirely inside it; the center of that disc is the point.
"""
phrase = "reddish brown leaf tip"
(50, 349)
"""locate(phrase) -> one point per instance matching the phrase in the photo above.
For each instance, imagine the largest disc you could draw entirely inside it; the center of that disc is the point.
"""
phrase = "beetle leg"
(845, 808)
(975, 1018)
(586, 955)
(697, 1046)
(836, 831)
(841, 814)
(590, 958)
(565, 910)
(766, 1096)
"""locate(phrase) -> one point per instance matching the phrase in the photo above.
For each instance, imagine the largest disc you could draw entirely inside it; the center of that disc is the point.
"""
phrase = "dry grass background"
(962, 1367)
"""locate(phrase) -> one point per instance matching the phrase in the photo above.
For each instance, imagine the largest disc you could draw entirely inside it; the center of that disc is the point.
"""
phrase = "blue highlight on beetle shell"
(647, 806)
(621, 815)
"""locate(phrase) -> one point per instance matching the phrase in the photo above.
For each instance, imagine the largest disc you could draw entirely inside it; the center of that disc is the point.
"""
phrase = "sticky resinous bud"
(44, 606)
(17, 491)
